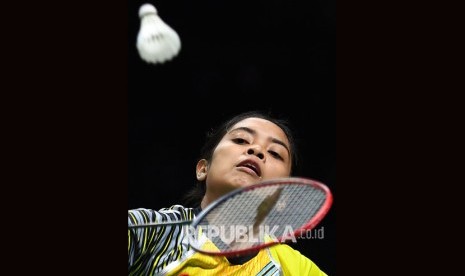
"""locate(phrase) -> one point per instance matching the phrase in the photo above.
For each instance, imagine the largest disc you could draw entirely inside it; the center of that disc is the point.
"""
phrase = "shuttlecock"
(156, 41)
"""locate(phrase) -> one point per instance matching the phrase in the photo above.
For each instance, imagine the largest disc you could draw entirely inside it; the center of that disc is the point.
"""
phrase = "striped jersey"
(165, 251)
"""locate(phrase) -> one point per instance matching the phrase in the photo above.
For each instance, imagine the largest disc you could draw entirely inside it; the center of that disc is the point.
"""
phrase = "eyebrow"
(253, 132)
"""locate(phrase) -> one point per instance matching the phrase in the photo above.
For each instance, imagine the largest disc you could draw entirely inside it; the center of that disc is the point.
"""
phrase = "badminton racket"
(257, 216)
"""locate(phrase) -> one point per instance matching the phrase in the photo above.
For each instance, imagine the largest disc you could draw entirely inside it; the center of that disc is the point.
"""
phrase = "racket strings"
(268, 212)
(295, 209)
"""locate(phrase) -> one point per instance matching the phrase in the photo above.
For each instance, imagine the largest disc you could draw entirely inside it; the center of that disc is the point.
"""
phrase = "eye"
(275, 155)
(240, 141)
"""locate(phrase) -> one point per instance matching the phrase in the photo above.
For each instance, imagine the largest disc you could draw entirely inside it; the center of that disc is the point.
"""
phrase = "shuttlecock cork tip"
(147, 9)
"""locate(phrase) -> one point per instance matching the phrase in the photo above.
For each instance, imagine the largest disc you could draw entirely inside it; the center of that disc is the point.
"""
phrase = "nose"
(256, 151)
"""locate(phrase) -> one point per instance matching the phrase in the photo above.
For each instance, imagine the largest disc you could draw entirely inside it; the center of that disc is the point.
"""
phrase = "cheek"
(222, 157)
(279, 170)
(226, 151)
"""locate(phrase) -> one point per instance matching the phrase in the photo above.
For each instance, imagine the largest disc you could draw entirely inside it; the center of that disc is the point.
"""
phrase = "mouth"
(250, 167)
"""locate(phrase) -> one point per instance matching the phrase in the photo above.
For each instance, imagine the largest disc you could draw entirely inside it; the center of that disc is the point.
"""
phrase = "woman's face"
(252, 151)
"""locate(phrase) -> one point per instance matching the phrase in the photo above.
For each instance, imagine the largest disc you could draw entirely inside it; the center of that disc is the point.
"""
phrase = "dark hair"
(214, 136)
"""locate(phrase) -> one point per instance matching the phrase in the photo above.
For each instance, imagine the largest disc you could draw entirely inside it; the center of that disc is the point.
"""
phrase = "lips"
(252, 165)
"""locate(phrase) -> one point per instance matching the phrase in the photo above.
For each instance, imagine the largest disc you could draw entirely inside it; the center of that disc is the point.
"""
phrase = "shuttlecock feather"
(156, 41)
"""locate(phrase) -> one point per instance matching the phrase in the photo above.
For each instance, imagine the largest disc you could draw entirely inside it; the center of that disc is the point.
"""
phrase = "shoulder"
(172, 209)
(174, 212)
(293, 262)
(176, 208)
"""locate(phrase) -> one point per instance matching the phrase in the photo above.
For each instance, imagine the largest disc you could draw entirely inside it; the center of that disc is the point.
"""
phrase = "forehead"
(263, 127)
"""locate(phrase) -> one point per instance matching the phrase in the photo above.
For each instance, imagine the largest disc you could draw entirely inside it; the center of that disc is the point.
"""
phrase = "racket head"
(260, 215)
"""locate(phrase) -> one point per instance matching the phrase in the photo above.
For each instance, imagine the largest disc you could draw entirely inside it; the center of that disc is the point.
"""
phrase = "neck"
(205, 202)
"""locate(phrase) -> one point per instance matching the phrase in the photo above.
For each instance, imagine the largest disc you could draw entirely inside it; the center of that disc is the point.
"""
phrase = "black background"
(277, 56)
(69, 84)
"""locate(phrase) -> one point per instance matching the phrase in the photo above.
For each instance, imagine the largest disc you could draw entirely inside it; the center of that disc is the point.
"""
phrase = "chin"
(244, 181)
